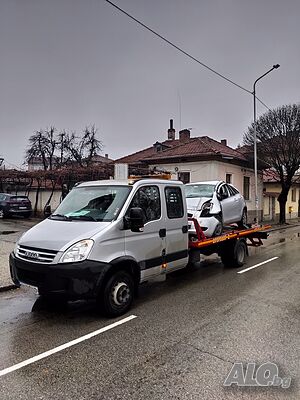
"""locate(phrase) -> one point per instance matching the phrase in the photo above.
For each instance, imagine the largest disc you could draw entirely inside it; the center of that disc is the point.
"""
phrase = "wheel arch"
(124, 263)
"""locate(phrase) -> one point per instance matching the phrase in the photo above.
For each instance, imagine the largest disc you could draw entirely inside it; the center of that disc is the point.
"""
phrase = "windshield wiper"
(61, 216)
(84, 217)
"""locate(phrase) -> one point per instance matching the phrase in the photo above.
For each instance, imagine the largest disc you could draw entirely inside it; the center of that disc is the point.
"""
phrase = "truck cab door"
(176, 228)
(148, 246)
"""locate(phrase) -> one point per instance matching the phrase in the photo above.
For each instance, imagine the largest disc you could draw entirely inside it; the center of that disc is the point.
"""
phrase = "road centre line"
(257, 265)
(65, 346)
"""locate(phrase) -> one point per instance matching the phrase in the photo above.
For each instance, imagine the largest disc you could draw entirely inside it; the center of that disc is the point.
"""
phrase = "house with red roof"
(193, 159)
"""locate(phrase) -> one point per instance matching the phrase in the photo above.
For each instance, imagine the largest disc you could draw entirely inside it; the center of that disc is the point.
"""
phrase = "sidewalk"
(5, 249)
(11, 230)
(290, 223)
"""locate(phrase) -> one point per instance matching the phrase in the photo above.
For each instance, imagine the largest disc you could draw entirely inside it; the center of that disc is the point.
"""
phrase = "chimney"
(171, 131)
(106, 155)
(184, 135)
(224, 142)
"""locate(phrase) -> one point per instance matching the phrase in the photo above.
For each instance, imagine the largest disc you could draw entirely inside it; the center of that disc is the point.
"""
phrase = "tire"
(234, 253)
(117, 294)
(3, 214)
(243, 222)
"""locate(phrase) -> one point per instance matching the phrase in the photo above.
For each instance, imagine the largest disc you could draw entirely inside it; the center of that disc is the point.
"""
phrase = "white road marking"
(257, 265)
(65, 346)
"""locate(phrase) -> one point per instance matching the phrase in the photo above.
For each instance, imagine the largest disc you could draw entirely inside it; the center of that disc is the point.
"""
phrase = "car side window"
(232, 190)
(223, 192)
(148, 199)
(174, 202)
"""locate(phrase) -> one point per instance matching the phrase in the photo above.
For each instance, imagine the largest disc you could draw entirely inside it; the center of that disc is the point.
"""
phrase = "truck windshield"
(92, 203)
(200, 190)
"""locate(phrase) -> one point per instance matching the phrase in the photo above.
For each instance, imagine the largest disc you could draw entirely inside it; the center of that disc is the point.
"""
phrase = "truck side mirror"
(135, 219)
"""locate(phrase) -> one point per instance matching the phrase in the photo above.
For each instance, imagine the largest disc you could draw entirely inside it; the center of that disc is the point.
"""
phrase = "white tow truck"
(107, 237)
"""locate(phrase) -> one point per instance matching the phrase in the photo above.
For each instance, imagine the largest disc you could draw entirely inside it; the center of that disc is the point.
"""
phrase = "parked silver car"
(215, 204)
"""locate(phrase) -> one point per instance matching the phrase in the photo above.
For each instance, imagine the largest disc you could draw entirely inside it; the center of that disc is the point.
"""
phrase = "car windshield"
(199, 190)
(92, 203)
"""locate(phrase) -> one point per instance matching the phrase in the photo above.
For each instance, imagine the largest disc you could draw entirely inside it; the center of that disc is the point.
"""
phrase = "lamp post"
(255, 139)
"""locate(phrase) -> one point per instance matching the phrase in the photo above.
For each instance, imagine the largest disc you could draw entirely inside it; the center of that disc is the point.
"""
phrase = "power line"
(183, 51)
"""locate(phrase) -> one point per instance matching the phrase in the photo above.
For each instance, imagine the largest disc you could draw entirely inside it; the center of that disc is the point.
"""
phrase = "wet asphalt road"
(188, 332)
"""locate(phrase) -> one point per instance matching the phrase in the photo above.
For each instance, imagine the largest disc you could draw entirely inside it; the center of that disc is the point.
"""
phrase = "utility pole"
(255, 140)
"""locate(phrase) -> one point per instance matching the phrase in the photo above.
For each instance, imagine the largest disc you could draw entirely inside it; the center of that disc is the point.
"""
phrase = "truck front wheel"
(117, 294)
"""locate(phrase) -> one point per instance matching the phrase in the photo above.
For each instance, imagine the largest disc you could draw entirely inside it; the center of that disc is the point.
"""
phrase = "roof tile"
(198, 146)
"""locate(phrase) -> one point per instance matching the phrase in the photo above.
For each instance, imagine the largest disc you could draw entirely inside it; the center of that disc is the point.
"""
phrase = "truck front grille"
(33, 254)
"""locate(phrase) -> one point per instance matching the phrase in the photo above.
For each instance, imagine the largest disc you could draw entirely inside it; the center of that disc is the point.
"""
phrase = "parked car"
(215, 204)
(14, 205)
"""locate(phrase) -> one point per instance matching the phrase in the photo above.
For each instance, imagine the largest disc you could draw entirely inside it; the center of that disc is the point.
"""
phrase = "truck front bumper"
(79, 280)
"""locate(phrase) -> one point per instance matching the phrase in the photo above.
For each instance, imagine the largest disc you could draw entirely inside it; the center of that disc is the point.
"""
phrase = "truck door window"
(174, 202)
(148, 199)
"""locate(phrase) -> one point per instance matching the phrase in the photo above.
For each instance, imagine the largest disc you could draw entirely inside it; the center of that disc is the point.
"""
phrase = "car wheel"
(243, 221)
(2, 214)
(219, 227)
(117, 295)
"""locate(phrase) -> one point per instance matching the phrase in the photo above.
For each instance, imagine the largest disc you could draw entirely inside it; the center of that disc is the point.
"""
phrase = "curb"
(8, 287)
(279, 228)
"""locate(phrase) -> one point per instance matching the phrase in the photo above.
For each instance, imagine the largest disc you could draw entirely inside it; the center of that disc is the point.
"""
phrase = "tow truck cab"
(104, 239)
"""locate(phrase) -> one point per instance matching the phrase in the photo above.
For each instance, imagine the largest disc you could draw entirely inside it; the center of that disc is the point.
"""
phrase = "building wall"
(275, 188)
(43, 198)
(216, 170)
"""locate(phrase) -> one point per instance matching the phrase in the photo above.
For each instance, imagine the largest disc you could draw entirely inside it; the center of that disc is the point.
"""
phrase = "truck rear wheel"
(117, 294)
(234, 253)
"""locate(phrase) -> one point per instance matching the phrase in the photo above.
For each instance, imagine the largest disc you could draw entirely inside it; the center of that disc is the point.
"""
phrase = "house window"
(293, 195)
(184, 177)
(246, 187)
(228, 178)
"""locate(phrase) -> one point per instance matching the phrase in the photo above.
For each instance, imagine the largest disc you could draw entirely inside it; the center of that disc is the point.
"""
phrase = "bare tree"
(43, 146)
(83, 149)
(55, 150)
(37, 148)
(278, 145)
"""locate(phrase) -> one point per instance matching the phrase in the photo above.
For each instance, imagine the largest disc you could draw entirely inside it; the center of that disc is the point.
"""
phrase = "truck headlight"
(17, 244)
(77, 252)
(16, 248)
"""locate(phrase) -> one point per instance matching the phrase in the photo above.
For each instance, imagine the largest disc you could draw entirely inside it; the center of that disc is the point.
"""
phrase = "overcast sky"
(72, 63)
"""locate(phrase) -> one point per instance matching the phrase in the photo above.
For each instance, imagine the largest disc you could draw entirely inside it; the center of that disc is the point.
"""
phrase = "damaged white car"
(215, 204)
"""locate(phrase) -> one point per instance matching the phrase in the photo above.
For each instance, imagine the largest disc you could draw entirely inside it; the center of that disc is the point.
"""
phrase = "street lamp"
(255, 139)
